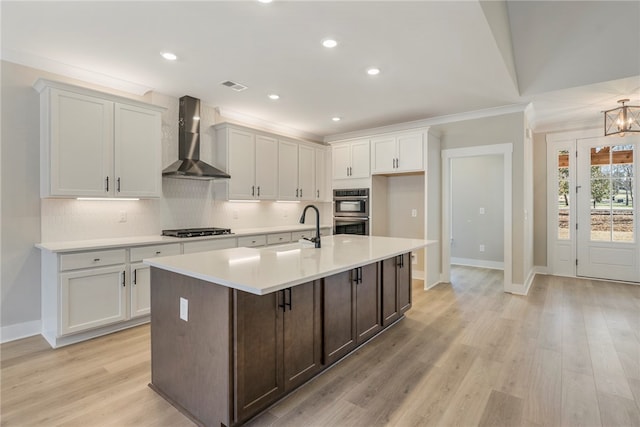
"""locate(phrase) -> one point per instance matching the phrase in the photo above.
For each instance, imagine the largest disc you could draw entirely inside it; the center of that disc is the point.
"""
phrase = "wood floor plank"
(543, 402)
(579, 400)
(502, 410)
(618, 411)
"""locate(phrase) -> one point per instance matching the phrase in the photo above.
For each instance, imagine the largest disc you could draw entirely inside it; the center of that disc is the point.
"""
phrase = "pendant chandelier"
(621, 120)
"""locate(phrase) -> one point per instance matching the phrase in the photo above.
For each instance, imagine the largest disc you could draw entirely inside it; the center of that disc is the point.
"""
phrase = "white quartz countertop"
(119, 242)
(265, 270)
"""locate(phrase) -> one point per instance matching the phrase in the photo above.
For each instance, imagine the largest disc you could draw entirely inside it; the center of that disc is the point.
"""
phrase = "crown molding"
(426, 123)
(66, 70)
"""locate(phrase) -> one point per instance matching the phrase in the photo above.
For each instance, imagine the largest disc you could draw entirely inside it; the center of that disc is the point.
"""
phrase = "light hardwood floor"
(466, 354)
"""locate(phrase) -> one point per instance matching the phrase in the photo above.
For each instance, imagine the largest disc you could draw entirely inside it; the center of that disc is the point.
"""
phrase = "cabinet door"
(341, 161)
(306, 172)
(80, 144)
(137, 152)
(339, 316)
(288, 188)
(92, 298)
(322, 188)
(360, 159)
(410, 153)
(368, 321)
(404, 283)
(140, 290)
(302, 334)
(266, 168)
(383, 155)
(242, 165)
(390, 311)
(258, 355)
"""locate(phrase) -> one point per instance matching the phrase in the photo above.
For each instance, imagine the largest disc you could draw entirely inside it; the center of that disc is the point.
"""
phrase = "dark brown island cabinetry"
(237, 353)
(278, 344)
(396, 287)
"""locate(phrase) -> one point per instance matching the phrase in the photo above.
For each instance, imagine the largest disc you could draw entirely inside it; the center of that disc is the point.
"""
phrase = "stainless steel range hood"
(189, 165)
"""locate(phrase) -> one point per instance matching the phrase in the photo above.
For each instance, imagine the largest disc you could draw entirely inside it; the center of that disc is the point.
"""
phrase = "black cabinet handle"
(253, 190)
(282, 305)
(123, 279)
(118, 185)
(106, 180)
(301, 192)
(96, 259)
(290, 303)
(258, 191)
(135, 277)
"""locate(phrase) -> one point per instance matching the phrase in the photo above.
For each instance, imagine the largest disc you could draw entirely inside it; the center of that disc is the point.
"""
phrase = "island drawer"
(209, 245)
(92, 259)
(251, 241)
(141, 252)
(277, 239)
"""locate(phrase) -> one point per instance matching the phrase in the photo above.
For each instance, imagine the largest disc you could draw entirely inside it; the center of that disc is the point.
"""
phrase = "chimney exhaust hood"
(189, 165)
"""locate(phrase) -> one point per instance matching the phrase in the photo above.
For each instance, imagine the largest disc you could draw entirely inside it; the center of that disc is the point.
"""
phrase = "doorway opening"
(469, 218)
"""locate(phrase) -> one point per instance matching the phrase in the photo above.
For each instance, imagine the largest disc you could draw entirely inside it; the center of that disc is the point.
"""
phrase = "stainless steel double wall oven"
(351, 211)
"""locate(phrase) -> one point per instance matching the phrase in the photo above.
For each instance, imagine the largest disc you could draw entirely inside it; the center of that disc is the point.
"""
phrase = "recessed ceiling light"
(373, 71)
(169, 56)
(329, 43)
(336, 119)
(265, 1)
(274, 96)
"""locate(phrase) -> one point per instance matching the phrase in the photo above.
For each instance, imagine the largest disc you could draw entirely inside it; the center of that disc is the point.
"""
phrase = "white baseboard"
(417, 274)
(493, 265)
(523, 288)
(20, 330)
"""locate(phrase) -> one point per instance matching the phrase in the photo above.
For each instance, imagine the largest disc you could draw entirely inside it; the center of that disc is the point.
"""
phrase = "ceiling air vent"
(233, 85)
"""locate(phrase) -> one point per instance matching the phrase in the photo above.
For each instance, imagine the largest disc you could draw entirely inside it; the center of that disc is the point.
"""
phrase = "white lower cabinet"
(91, 298)
(140, 289)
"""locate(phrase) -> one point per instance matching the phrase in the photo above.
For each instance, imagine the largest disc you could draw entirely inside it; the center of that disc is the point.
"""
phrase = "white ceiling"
(570, 59)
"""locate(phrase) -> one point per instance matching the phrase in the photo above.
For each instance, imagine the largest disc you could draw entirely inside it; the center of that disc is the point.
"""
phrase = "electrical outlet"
(123, 216)
(481, 248)
(184, 309)
(414, 212)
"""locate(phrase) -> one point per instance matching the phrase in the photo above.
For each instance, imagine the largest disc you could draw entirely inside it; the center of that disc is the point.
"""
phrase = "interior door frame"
(506, 150)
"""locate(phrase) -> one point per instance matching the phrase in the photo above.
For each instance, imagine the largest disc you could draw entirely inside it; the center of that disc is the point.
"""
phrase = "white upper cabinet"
(351, 160)
(296, 178)
(397, 153)
(137, 142)
(323, 187)
(97, 145)
(253, 163)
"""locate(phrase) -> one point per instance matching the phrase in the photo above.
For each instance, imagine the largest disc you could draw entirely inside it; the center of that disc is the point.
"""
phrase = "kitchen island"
(234, 330)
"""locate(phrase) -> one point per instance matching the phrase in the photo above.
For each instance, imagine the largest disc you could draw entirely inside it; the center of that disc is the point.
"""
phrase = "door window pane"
(564, 232)
(612, 191)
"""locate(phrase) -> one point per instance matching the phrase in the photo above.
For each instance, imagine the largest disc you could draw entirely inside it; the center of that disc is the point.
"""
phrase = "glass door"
(607, 241)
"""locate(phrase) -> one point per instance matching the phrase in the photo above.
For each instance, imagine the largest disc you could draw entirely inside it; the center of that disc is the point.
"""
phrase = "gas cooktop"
(196, 232)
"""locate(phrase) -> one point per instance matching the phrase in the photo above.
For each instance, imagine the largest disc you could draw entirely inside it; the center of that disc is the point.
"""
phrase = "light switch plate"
(184, 309)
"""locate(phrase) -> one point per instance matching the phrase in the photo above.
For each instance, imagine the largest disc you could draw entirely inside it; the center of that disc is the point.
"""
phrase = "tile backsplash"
(185, 203)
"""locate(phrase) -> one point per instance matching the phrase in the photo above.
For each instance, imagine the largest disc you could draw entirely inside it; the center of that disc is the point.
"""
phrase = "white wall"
(27, 220)
(477, 183)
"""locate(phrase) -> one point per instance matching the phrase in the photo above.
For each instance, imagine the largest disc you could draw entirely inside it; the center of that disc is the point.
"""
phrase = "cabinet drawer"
(142, 252)
(250, 241)
(276, 239)
(92, 259)
(209, 245)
